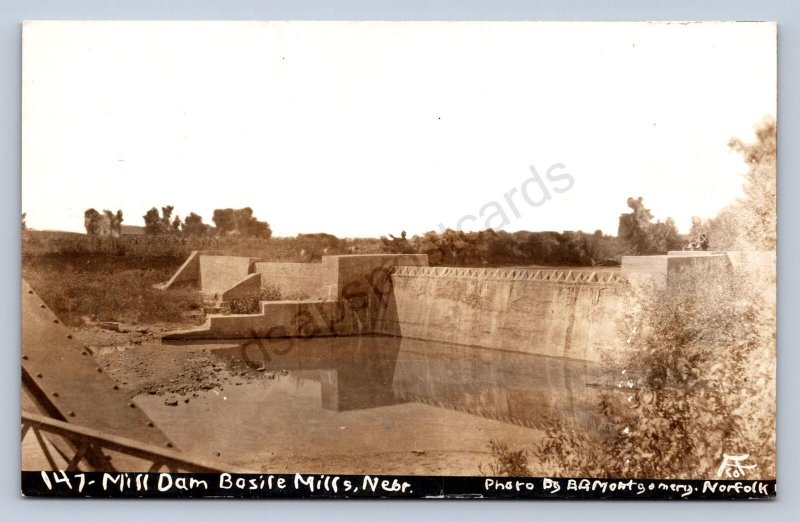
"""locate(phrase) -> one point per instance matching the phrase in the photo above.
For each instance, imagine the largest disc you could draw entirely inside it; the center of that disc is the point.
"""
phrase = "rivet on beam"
(150, 424)
(116, 387)
(39, 375)
(71, 413)
(55, 394)
(168, 444)
(24, 357)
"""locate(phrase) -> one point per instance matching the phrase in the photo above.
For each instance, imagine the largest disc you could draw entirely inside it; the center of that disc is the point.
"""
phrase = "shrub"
(506, 462)
(698, 381)
(251, 304)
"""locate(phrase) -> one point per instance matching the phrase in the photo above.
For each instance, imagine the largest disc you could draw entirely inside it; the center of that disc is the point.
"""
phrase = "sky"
(368, 128)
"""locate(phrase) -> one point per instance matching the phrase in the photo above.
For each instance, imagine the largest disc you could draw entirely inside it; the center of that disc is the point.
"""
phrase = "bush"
(698, 381)
(251, 304)
(506, 462)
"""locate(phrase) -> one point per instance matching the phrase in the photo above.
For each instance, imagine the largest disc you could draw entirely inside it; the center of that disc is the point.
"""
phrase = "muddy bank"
(140, 364)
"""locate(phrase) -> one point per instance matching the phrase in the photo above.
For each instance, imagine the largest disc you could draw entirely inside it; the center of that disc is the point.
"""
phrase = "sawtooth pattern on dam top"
(514, 274)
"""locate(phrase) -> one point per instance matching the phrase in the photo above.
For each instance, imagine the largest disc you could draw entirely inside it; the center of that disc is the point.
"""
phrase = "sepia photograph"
(295, 259)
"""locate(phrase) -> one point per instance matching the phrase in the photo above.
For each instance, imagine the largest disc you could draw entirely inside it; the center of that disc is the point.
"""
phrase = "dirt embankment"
(134, 358)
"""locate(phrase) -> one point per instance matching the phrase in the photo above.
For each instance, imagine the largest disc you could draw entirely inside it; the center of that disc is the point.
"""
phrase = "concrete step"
(216, 307)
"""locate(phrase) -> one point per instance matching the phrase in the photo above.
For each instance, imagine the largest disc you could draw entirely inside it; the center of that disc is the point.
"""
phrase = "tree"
(91, 220)
(106, 224)
(152, 222)
(429, 243)
(157, 224)
(633, 226)
(750, 223)
(602, 249)
(166, 219)
(116, 224)
(240, 222)
(644, 237)
(193, 225)
(176, 225)
(259, 229)
(698, 235)
(665, 236)
(248, 226)
(224, 220)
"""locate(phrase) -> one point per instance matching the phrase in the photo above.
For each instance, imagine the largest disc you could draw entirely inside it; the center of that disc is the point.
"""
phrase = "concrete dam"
(570, 313)
(560, 313)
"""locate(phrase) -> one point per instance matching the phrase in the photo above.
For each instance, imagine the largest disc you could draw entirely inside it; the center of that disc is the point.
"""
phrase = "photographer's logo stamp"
(734, 466)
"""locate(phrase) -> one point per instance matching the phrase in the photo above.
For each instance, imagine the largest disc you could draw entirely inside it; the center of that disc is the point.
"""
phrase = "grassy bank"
(109, 288)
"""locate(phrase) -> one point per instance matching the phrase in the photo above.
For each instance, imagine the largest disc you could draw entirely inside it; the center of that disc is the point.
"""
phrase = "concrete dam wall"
(557, 313)
(294, 280)
(563, 313)
(574, 314)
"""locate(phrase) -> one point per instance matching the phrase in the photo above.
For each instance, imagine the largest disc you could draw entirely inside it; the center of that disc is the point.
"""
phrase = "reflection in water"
(512, 387)
(372, 405)
(358, 373)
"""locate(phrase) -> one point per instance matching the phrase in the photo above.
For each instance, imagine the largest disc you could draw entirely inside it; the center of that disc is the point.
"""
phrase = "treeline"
(227, 221)
(743, 225)
(489, 247)
(638, 234)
